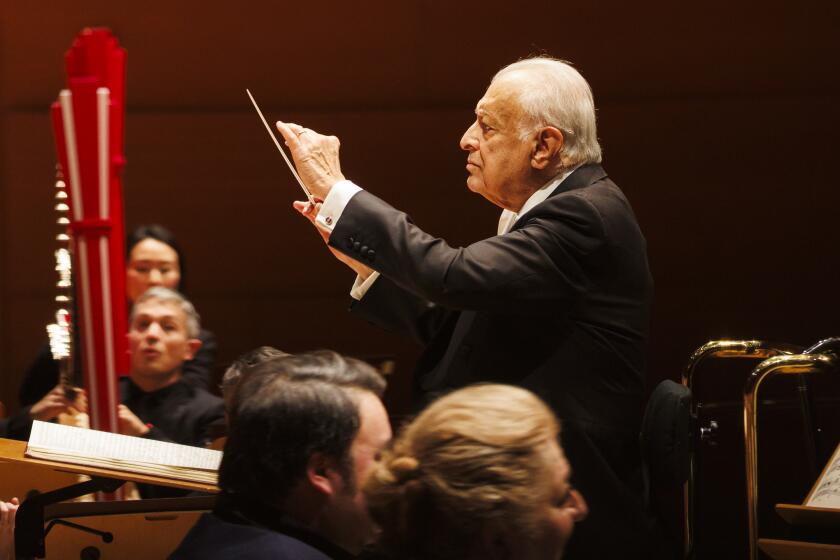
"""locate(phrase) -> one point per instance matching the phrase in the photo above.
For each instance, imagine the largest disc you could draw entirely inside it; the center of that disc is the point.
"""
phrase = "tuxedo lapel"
(582, 177)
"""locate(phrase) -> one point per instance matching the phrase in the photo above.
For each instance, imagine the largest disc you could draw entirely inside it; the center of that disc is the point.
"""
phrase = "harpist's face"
(499, 157)
(151, 263)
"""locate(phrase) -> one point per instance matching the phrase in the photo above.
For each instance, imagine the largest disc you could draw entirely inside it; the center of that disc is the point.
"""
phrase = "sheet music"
(826, 493)
(55, 439)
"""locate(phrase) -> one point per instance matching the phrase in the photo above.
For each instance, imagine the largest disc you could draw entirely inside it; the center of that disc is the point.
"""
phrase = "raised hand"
(56, 402)
(315, 157)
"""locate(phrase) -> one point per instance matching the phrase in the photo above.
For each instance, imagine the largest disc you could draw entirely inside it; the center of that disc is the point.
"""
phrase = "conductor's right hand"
(315, 156)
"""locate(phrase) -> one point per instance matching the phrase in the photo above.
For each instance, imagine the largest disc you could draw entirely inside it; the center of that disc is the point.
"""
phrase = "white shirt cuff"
(360, 288)
(337, 199)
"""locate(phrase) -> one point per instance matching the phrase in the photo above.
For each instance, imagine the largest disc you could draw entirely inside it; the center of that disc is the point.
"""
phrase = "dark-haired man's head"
(240, 368)
(308, 429)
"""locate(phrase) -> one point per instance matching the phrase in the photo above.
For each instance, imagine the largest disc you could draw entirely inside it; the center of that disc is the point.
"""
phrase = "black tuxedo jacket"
(559, 305)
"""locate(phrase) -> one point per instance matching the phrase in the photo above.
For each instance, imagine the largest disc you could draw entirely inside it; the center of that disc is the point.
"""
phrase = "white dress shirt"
(508, 217)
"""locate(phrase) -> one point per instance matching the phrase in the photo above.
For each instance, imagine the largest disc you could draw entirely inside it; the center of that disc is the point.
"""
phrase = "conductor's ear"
(548, 144)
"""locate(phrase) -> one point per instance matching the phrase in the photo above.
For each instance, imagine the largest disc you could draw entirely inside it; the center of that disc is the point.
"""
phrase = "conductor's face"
(500, 148)
(158, 339)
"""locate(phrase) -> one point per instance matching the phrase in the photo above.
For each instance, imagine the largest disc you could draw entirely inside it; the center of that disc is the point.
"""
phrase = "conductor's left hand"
(315, 157)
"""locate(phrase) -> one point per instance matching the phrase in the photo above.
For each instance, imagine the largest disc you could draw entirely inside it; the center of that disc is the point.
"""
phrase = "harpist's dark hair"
(159, 233)
(287, 409)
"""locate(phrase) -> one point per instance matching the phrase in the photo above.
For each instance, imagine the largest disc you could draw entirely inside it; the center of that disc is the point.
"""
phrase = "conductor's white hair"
(552, 93)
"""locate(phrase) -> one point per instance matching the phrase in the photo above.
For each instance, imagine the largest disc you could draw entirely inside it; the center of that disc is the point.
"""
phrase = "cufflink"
(328, 220)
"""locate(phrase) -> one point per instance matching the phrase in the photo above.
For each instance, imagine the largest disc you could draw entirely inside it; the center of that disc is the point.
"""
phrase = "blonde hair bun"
(404, 468)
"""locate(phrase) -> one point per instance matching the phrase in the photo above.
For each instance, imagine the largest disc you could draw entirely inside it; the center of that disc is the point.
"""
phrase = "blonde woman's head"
(477, 474)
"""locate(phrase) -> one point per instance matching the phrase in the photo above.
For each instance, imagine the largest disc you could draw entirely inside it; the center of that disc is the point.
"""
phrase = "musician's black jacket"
(244, 529)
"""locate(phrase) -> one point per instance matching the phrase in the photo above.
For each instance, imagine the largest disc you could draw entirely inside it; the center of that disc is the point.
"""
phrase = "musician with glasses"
(557, 302)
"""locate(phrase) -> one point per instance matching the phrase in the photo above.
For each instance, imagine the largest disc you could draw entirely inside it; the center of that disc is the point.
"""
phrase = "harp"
(88, 123)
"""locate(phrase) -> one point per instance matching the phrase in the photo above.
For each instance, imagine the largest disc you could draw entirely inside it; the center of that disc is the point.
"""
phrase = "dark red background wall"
(718, 119)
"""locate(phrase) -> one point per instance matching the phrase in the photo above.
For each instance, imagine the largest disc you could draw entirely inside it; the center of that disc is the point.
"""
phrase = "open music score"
(280, 149)
(819, 512)
(93, 448)
(826, 490)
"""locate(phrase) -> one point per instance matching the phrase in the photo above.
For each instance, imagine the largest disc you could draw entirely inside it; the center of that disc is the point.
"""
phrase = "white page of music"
(827, 492)
(60, 439)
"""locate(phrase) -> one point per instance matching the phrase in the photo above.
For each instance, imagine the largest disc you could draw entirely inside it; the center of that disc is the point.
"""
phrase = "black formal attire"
(178, 413)
(42, 374)
(559, 305)
(243, 530)
(19, 425)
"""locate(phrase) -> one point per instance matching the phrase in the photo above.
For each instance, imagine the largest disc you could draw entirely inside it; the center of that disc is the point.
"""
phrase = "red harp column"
(88, 121)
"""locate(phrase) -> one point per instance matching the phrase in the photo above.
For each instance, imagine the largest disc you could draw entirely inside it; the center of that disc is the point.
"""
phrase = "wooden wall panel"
(717, 119)
(737, 201)
(27, 224)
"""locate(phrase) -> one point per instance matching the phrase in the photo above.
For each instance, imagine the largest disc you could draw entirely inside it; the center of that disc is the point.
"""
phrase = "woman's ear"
(549, 144)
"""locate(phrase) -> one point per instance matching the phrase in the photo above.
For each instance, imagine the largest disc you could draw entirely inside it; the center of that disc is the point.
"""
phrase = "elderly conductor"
(557, 302)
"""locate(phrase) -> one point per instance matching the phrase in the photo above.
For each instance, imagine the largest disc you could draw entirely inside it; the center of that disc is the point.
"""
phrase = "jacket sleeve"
(393, 308)
(544, 261)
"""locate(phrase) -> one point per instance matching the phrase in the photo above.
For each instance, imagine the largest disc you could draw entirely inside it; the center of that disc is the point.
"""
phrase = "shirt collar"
(133, 391)
(508, 218)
